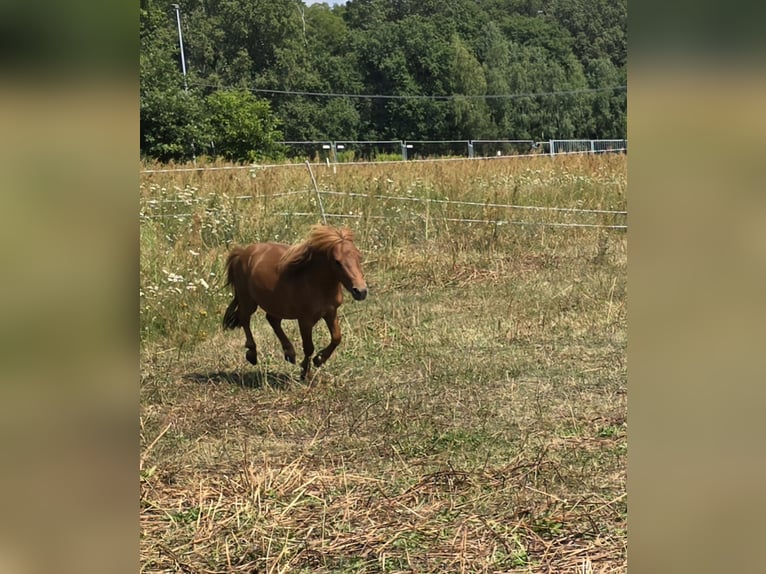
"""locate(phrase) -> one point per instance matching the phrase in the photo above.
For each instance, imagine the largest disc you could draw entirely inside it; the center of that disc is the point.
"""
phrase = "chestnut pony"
(303, 282)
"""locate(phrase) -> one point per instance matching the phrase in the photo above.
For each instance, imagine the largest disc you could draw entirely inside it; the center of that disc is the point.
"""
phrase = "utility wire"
(424, 97)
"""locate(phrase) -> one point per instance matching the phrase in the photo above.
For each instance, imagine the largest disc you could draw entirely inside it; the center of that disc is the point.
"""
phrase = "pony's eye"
(337, 262)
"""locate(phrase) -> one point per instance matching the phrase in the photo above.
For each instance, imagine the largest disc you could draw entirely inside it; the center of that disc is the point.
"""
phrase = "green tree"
(407, 58)
(542, 55)
(368, 14)
(171, 125)
(493, 51)
(609, 106)
(339, 119)
(170, 117)
(472, 118)
(241, 126)
(543, 109)
(598, 27)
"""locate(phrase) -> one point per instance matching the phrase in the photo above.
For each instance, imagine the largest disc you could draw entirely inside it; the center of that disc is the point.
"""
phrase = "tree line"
(263, 71)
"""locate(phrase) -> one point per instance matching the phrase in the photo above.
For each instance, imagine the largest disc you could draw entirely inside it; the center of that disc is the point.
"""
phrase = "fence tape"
(456, 220)
(414, 199)
(478, 203)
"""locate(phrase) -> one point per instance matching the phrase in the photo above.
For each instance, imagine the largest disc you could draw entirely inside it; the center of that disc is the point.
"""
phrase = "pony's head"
(337, 245)
(347, 262)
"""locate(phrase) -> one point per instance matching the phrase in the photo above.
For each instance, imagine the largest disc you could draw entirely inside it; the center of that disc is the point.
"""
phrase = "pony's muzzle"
(359, 294)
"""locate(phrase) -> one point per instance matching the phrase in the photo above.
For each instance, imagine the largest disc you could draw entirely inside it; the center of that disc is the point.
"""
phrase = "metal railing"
(336, 151)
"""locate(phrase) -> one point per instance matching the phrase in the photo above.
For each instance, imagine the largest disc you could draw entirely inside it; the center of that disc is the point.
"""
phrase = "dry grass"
(472, 420)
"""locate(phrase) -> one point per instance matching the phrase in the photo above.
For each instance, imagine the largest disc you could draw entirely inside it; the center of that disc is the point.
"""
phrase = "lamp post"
(181, 43)
(183, 67)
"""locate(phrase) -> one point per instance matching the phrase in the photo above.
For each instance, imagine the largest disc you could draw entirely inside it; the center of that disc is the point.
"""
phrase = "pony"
(302, 282)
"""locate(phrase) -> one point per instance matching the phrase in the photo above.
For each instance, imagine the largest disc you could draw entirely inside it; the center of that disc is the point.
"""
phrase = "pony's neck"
(319, 262)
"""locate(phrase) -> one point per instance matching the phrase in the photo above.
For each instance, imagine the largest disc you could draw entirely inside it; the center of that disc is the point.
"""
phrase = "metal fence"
(592, 146)
(336, 151)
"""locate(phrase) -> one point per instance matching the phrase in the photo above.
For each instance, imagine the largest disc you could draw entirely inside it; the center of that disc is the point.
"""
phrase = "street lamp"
(181, 43)
(183, 67)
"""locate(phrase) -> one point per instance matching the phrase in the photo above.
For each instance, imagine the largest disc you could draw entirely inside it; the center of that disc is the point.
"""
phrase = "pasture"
(474, 417)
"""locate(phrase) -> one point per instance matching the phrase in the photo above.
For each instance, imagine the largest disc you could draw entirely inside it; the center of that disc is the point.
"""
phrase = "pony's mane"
(321, 239)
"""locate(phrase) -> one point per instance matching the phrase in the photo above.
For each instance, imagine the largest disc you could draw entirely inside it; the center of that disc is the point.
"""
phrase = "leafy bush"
(241, 126)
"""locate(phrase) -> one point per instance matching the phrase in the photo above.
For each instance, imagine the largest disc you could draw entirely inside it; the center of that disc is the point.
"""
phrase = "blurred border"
(68, 312)
(697, 270)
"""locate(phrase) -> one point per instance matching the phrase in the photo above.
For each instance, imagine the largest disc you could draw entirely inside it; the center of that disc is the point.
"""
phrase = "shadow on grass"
(251, 380)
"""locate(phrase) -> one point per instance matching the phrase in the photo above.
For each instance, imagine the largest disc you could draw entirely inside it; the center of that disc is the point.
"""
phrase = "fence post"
(470, 149)
(405, 146)
(316, 189)
(551, 150)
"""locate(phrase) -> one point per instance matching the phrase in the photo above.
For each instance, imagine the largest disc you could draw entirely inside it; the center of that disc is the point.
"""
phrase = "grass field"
(472, 420)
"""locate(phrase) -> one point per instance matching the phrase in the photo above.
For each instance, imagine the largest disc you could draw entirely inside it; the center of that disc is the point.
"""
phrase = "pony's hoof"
(318, 360)
(290, 359)
(252, 356)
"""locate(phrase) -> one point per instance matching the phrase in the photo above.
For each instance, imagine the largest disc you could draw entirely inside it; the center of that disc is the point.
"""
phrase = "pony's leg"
(244, 320)
(306, 327)
(287, 346)
(333, 325)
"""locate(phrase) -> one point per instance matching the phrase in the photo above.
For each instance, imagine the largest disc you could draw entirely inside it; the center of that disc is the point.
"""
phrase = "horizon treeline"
(260, 72)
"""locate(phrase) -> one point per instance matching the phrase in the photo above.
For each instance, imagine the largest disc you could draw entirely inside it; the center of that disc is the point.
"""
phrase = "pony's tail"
(231, 315)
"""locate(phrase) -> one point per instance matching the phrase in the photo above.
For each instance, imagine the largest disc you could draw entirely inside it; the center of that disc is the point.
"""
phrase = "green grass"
(473, 418)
